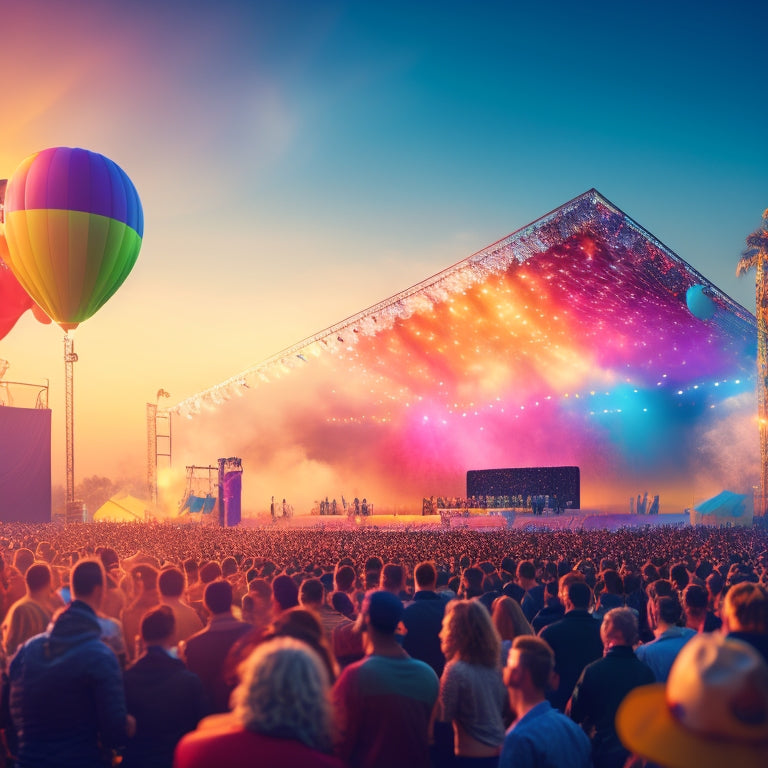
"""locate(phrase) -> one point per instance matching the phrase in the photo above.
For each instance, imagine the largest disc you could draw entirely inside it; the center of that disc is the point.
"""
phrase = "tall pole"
(761, 291)
(69, 359)
(152, 451)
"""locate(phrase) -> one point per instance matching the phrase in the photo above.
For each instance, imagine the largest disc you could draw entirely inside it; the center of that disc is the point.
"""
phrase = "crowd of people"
(180, 646)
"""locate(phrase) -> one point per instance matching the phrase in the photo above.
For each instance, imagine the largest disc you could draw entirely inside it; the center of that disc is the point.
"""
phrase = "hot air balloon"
(74, 223)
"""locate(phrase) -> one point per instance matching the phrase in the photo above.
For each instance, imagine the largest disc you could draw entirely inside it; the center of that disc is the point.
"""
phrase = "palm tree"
(756, 255)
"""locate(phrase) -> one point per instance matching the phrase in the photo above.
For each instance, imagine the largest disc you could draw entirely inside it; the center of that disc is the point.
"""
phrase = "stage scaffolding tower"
(159, 441)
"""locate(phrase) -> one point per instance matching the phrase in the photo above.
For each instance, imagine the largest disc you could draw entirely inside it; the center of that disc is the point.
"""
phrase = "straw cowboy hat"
(712, 712)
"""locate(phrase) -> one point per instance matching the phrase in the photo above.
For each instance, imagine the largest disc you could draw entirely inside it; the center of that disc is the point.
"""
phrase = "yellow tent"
(123, 509)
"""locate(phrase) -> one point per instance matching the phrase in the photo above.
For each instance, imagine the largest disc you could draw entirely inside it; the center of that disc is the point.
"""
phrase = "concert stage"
(574, 520)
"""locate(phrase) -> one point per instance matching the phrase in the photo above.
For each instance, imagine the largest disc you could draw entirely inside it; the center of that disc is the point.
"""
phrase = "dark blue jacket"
(66, 695)
(423, 618)
(167, 701)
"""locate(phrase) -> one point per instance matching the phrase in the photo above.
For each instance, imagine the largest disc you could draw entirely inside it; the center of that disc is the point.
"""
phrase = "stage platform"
(572, 520)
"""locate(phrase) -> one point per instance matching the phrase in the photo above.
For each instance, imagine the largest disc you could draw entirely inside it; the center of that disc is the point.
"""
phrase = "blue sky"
(299, 161)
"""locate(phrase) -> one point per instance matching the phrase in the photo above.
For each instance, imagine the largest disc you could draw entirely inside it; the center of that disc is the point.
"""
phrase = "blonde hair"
(284, 693)
(509, 619)
(470, 633)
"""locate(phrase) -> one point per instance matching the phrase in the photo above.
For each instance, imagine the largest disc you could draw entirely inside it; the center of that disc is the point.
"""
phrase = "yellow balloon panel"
(70, 262)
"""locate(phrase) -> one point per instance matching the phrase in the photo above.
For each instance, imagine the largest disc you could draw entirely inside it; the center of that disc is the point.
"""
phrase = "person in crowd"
(534, 598)
(205, 652)
(12, 586)
(146, 596)
(66, 698)
(712, 711)
(510, 622)
(665, 613)
(23, 559)
(612, 593)
(603, 685)
(30, 615)
(256, 605)
(472, 693)
(285, 594)
(282, 715)
(393, 580)
(698, 616)
(745, 615)
(540, 735)
(575, 639)
(385, 702)
(553, 609)
(345, 581)
(312, 597)
(164, 698)
(471, 582)
(114, 598)
(170, 584)
(423, 619)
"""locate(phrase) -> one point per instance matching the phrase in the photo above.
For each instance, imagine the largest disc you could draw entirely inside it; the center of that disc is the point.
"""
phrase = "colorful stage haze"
(570, 342)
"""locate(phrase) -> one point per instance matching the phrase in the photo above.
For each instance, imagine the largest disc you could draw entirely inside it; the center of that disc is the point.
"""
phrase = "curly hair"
(468, 633)
(285, 692)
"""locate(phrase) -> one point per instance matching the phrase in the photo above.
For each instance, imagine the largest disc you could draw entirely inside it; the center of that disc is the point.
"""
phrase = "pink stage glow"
(567, 343)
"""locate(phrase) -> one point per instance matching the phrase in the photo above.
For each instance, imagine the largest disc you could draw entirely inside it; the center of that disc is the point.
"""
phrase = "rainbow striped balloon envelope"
(74, 224)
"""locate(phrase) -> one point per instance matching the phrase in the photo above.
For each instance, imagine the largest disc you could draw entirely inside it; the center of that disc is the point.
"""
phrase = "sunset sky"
(300, 161)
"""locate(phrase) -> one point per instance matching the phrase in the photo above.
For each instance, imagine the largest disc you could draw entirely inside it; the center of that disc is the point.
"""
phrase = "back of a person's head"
(190, 567)
(171, 582)
(210, 571)
(373, 563)
(381, 611)
(620, 626)
(311, 592)
(469, 632)
(678, 575)
(509, 619)
(284, 692)
(472, 579)
(649, 572)
(661, 588)
(146, 575)
(695, 598)
(537, 657)
(228, 566)
(526, 570)
(217, 597)
(344, 578)
(157, 625)
(714, 583)
(23, 559)
(86, 576)
(37, 577)
(613, 582)
(486, 566)
(393, 577)
(285, 592)
(492, 582)
(746, 608)
(425, 575)
(579, 594)
(668, 609)
(342, 603)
